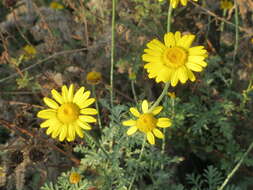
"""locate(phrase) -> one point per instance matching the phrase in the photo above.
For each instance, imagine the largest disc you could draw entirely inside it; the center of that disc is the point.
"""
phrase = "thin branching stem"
(231, 174)
(97, 107)
(139, 159)
(112, 49)
(134, 92)
(97, 144)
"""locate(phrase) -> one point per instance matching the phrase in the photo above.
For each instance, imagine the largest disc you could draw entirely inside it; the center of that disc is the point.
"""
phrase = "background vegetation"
(212, 117)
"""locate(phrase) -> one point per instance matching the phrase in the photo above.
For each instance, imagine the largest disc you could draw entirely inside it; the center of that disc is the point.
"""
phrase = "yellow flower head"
(29, 51)
(94, 77)
(74, 177)
(56, 5)
(174, 3)
(147, 123)
(175, 60)
(69, 114)
(251, 40)
(226, 4)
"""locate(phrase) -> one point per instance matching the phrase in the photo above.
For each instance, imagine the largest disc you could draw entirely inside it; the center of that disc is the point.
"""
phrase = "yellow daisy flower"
(69, 114)
(74, 177)
(174, 3)
(147, 123)
(56, 5)
(175, 60)
(94, 78)
(225, 4)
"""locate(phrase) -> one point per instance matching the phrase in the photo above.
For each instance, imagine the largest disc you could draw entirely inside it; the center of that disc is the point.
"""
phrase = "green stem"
(112, 49)
(159, 99)
(139, 159)
(97, 107)
(169, 17)
(222, 22)
(236, 167)
(134, 92)
(96, 143)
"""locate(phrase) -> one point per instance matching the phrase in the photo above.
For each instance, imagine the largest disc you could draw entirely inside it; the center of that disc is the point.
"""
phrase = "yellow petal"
(79, 131)
(83, 125)
(47, 114)
(131, 130)
(78, 95)
(163, 122)
(71, 93)
(71, 132)
(157, 110)
(186, 41)
(197, 50)
(129, 122)
(156, 45)
(174, 78)
(46, 123)
(151, 138)
(89, 111)
(51, 103)
(191, 76)
(57, 96)
(182, 74)
(144, 106)
(64, 93)
(158, 133)
(177, 36)
(88, 119)
(194, 67)
(56, 131)
(50, 130)
(86, 103)
(135, 112)
(63, 133)
(169, 40)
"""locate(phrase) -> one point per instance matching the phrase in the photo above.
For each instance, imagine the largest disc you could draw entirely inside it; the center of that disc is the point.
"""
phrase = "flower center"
(175, 57)
(146, 122)
(68, 113)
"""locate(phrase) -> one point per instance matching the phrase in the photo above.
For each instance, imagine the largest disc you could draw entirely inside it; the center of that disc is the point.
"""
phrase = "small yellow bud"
(56, 5)
(74, 177)
(94, 78)
(172, 94)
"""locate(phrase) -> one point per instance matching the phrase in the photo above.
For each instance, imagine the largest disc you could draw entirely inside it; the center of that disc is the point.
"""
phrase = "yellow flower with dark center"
(74, 177)
(174, 3)
(175, 60)
(69, 114)
(147, 123)
(226, 4)
(94, 78)
(56, 5)
(29, 51)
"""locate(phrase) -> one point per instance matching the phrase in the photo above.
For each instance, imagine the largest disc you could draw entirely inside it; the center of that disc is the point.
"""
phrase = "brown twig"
(246, 30)
(15, 128)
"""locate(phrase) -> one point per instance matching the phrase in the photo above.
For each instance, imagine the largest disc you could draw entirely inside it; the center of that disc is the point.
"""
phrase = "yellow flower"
(174, 3)
(69, 114)
(251, 40)
(29, 51)
(175, 60)
(93, 77)
(172, 94)
(56, 5)
(226, 4)
(147, 123)
(74, 177)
